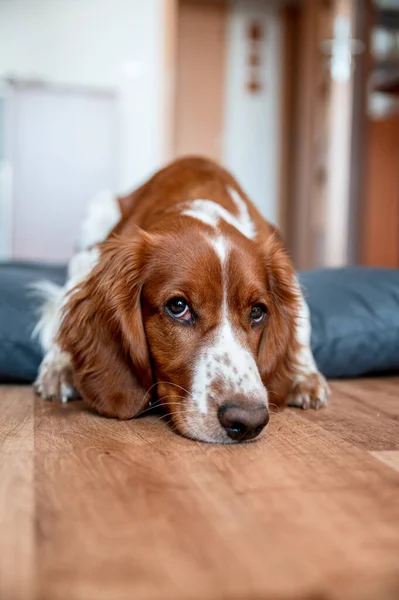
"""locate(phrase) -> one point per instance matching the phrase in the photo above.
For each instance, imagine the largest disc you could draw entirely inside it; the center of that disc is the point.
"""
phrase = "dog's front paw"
(309, 391)
(55, 377)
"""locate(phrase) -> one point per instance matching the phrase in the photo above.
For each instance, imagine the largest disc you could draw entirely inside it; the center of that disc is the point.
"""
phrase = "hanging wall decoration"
(255, 35)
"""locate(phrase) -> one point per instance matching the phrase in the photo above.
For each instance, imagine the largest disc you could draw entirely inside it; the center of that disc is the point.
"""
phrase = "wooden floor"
(95, 509)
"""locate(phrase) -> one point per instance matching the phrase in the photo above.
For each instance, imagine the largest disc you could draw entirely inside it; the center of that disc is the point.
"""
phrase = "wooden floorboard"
(17, 502)
(391, 458)
(364, 413)
(95, 509)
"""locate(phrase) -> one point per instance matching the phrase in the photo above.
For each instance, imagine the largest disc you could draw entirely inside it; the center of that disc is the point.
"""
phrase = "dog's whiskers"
(168, 383)
(158, 404)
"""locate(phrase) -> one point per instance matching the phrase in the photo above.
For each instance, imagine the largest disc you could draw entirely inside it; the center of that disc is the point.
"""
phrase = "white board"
(62, 150)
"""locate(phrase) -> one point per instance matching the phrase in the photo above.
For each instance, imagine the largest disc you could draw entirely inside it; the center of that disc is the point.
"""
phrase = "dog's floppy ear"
(103, 331)
(279, 336)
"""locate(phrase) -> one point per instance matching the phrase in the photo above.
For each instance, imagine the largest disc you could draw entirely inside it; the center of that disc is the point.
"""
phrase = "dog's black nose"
(243, 422)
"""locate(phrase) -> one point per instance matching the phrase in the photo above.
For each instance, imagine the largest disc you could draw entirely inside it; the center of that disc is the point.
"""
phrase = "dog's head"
(202, 320)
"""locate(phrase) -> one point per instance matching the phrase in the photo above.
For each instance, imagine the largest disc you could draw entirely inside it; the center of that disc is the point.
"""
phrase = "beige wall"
(200, 78)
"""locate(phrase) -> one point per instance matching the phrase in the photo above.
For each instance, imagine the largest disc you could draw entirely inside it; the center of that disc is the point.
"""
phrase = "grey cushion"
(355, 319)
(354, 311)
(20, 355)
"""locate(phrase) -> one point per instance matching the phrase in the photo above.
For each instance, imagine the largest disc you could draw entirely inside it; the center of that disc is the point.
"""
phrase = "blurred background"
(299, 99)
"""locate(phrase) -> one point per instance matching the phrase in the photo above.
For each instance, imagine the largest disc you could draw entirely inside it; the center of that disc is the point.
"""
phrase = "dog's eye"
(258, 313)
(179, 309)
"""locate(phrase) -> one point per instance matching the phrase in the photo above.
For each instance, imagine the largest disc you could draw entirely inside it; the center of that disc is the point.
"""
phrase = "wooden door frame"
(289, 83)
(360, 133)
(300, 53)
(301, 56)
(376, 193)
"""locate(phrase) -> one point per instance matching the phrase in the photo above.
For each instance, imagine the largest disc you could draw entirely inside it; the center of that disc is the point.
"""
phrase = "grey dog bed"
(354, 311)
(20, 354)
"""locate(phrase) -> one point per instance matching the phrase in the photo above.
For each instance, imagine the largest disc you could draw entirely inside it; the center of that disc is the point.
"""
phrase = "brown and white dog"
(192, 300)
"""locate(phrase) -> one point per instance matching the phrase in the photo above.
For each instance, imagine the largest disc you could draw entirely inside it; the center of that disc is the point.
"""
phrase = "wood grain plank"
(390, 458)
(131, 510)
(363, 412)
(381, 393)
(99, 509)
(17, 556)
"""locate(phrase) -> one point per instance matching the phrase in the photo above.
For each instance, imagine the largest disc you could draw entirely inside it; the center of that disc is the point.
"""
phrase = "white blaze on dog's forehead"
(203, 367)
(211, 213)
(226, 360)
(221, 247)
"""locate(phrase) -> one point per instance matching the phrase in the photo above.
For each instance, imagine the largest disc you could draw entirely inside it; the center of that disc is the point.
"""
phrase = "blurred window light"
(341, 49)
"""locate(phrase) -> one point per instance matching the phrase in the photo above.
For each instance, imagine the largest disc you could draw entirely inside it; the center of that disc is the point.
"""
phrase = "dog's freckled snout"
(243, 422)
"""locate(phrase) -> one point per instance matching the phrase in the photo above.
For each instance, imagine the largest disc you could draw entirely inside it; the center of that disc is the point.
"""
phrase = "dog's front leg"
(309, 387)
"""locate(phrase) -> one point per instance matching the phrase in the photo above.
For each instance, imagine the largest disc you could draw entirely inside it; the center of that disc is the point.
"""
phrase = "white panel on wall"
(110, 43)
(252, 119)
(63, 151)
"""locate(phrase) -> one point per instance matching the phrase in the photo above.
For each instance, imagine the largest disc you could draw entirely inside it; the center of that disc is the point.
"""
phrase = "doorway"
(228, 91)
